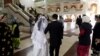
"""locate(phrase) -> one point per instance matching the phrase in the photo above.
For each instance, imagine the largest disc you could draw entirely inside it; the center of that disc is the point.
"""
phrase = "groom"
(55, 28)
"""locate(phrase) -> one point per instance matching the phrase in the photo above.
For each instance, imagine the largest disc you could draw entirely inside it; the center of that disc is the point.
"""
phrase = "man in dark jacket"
(96, 37)
(55, 29)
(79, 20)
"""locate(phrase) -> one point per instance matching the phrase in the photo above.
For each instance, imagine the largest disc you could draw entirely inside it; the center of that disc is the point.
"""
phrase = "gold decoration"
(54, 8)
(65, 8)
(73, 6)
(57, 9)
(94, 8)
(81, 6)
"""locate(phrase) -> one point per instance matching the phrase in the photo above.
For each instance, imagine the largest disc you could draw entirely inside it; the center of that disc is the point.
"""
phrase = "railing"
(18, 11)
(26, 12)
(17, 7)
(29, 14)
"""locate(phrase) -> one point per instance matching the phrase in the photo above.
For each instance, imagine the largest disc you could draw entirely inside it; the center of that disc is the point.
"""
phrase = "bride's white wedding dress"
(39, 40)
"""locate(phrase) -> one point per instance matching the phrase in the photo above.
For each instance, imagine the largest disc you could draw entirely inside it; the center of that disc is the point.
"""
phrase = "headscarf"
(86, 19)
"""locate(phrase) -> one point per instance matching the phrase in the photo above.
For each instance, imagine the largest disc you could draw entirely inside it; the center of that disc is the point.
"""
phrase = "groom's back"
(55, 29)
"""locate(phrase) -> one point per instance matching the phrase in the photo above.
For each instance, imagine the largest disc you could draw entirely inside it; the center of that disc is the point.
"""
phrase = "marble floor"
(26, 46)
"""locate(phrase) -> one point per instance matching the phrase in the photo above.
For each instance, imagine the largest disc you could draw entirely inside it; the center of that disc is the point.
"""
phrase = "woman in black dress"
(6, 48)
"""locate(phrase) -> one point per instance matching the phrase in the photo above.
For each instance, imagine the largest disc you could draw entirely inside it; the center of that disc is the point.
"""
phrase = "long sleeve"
(47, 29)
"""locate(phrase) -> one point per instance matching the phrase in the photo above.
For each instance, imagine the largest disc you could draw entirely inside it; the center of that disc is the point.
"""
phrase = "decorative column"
(61, 8)
(45, 6)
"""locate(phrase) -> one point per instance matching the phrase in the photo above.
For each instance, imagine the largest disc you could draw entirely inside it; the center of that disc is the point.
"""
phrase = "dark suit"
(96, 35)
(55, 29)
(79, 21)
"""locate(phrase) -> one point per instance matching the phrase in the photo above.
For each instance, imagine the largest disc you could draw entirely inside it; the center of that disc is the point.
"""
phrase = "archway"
(94, 8)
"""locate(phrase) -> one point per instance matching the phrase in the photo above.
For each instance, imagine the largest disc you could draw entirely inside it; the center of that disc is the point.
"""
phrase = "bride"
(39, 40)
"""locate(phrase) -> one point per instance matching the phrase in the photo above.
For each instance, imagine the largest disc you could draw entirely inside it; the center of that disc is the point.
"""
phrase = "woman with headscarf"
(15, 34)
(84, 37)
(39, 40)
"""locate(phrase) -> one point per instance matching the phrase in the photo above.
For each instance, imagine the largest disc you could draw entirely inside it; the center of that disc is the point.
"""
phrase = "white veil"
(40, 25)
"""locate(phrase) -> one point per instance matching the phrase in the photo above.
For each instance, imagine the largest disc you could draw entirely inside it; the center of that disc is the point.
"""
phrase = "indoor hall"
(68, 9)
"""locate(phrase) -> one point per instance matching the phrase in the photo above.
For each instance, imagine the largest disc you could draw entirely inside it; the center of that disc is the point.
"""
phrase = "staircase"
(22, 17)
